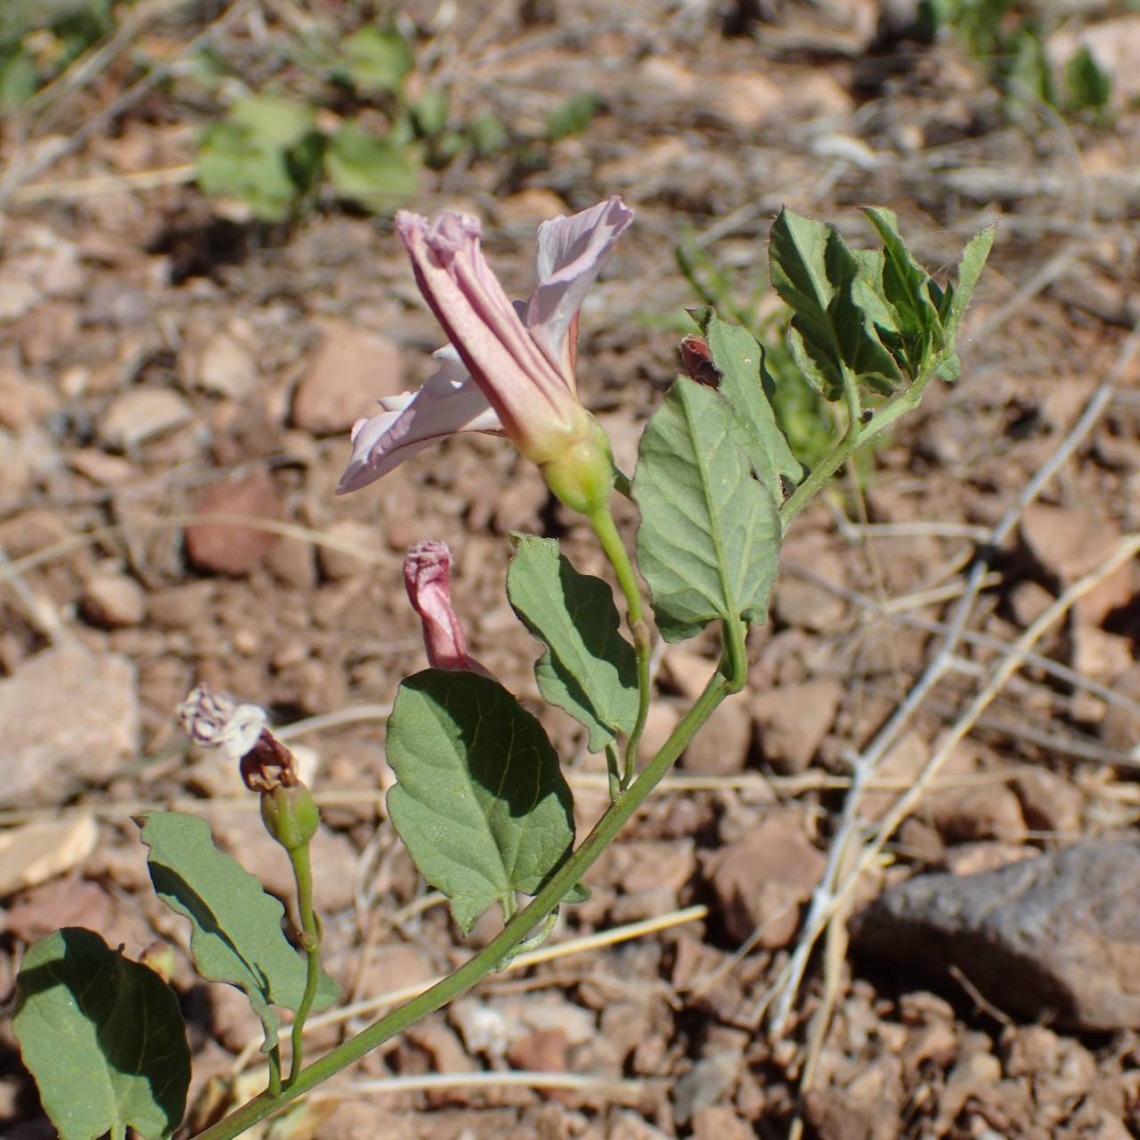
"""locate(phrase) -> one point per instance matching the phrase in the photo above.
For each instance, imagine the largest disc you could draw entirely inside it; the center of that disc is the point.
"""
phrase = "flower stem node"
(582, 477)
(290, 815)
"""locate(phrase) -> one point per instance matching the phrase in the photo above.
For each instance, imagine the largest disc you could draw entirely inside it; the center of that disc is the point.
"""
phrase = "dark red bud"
(698, 361)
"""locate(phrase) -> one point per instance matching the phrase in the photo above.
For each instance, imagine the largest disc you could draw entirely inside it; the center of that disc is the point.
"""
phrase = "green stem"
(273, 1057)
(311, 941)
(490, 959)
(613, 770)
(856, 435)
(850, 440)
(613, 547)
(623, 484)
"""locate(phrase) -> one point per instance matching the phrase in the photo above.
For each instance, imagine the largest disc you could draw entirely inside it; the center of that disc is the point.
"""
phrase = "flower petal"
(448, 403)
(537, 403)
(571, 252)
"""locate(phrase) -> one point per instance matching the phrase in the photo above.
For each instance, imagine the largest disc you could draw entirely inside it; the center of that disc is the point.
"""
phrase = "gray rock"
(1055, 937)
(69, 718)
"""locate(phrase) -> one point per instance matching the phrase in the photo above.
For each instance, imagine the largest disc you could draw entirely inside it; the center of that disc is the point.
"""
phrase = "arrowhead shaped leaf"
(710, 533)
(746, 385)
(103, 1037)
(480, 802)
(831, 334)
(236, 933)
(589, 670)
(907, 287)
(969, 270)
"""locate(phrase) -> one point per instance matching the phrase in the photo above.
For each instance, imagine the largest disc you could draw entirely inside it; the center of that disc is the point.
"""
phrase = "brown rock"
(62, 902)
(396, 966)
(662, 720)
(721, 747)
(113, 601)
(222, 366)
(745, 100)
(1053, 937)
(541, 1052)
(140, 414)
(1100, 655)
(528, 208)
(182, 607)
(983, 811)
(349, 372)
(705, 1083)
(69, 718)
(292, 563)
(222, 548)
(1065, 541)
(834, 1116)
(719, 1122)
(1030, 1050)
(232, 1020)
(32, 853)
(642, 864)
(903, 762)
(441, 1043)
(1028, 600)
(974, 858)
(1049, 802)
(102, 469)
(792, 721)
(686, 672)
(762, 882)
(340, 561)
(22, 401)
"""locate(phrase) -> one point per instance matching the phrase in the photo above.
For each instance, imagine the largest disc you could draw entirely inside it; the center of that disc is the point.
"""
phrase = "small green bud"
(290, 815)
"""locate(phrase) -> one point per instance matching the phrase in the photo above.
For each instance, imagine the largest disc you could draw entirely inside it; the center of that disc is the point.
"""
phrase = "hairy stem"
(729, 678)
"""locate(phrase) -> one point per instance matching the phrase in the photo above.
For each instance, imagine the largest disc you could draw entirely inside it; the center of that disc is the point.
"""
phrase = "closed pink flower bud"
(427, 576)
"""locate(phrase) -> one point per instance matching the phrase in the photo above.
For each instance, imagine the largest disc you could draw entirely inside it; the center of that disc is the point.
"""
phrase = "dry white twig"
(831, 891)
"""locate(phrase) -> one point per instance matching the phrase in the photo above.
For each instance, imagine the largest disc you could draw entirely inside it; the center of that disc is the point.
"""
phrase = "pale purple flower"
(427, 577)
(509, 369)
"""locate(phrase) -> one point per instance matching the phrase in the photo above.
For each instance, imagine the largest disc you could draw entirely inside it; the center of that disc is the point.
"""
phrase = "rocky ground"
(163, 355)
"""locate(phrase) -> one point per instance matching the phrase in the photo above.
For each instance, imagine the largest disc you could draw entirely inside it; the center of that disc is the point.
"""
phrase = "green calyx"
(290, 815)
(582, 477)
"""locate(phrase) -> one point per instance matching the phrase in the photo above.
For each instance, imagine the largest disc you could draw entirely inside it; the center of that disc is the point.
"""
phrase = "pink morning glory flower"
(509, 368)
(427, 578)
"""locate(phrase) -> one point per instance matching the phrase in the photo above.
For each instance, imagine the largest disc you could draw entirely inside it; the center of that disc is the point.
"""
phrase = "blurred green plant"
(362, 133)
(40, 39)
(276, 152)
(1011, 39)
